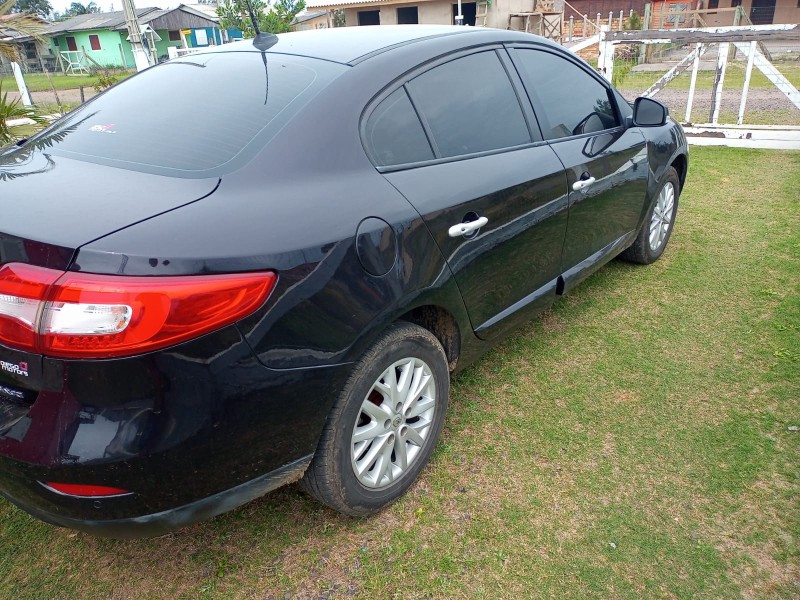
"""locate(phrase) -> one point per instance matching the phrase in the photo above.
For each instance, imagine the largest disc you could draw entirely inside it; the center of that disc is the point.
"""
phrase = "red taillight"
(81, 315)
(22, 289)
(84, 491)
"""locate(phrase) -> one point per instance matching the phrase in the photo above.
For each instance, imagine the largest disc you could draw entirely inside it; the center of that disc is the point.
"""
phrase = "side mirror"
(649, 113)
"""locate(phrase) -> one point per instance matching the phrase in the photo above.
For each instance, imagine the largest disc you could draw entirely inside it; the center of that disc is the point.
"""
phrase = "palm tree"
(12, 25)
(19, 24)
(14, 109)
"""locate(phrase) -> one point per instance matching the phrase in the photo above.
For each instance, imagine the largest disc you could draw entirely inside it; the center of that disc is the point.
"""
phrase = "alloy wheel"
(394, 423)
(663, 213)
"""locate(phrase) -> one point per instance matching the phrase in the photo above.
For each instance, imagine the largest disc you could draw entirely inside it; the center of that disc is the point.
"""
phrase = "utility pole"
(140, 57)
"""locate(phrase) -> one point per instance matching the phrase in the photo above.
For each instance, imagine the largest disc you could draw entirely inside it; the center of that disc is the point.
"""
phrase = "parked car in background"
(248, 266)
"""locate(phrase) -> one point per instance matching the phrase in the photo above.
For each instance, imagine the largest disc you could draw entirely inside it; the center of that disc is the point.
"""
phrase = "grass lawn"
(39, 83)
(734, 78)
(633, 443)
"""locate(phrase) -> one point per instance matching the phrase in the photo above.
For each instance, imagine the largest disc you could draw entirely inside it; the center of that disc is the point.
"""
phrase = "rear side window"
(569, 101)
(470, 105)
(197, 116)
(394, 135)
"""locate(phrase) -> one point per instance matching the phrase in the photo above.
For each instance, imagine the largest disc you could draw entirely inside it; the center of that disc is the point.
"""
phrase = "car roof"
(350, 45)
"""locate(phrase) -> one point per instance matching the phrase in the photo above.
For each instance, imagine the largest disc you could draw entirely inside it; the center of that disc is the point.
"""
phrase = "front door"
(605, 161)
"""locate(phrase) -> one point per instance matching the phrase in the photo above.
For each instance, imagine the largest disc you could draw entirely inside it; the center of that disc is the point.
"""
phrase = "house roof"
(9, 34)
(181, 17)
(171, 18)
(327, 3)
(308, 16)
(207, 9)
(109, 20)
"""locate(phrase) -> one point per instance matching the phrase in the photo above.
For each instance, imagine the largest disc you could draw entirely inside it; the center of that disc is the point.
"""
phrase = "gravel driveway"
(764, 106)
(68, 97)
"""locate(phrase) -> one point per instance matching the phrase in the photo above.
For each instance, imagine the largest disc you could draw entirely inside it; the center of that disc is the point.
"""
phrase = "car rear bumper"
(189, 432)
(162, 522)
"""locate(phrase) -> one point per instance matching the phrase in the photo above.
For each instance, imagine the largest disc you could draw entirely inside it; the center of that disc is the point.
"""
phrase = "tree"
(634, 23)
(21, 23)
(26, 25)
(76, 8)
(40, 8)
(234, 14)
(279, 19)
(14, 109)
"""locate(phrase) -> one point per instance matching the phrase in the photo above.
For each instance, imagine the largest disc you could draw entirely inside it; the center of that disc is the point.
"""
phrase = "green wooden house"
(101, 39)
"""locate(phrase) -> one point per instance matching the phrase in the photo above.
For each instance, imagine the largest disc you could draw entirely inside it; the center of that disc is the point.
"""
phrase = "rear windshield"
(198, 116)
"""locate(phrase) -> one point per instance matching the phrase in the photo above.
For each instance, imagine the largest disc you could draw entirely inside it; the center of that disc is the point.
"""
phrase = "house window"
(55, 40)
(713, 4)
(71, 45)
(408, 15)
(369, 17)
(174, 35)
(762, 12)
(95, 42)
(735, 3)
(468, 11)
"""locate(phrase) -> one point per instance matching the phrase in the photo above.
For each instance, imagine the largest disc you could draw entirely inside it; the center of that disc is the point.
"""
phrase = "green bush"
(104, 81)
(14, 109)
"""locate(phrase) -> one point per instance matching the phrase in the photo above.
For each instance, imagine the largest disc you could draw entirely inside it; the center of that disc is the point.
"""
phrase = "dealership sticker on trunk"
(103, 128)
(15, 368)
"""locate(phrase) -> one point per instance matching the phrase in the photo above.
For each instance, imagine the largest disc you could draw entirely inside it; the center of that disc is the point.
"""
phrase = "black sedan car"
(261, 263)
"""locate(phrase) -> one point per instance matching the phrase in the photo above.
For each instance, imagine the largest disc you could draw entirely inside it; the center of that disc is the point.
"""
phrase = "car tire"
(384, 424)
(656, 230)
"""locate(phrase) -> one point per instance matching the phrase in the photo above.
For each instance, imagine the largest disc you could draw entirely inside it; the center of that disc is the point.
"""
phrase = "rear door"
(492, 193)
(605, 161)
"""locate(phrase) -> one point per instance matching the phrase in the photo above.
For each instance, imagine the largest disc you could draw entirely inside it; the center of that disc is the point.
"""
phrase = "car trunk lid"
(51, 205)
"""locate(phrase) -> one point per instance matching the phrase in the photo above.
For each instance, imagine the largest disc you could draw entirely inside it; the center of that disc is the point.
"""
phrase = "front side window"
(470, 105)
(568, 100)
(393, 134)
(94, 41)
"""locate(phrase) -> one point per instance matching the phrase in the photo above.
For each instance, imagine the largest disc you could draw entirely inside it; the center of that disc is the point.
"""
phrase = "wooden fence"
(657, 15)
